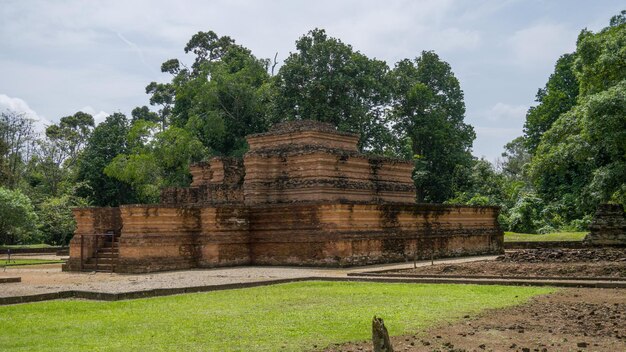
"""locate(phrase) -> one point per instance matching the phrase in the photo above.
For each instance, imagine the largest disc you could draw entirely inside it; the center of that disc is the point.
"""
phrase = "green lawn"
(40, 245)
(287, 317)
(15, 262)
(557, 236)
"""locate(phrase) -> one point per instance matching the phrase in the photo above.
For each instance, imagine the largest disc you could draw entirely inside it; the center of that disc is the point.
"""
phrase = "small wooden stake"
(380, 336)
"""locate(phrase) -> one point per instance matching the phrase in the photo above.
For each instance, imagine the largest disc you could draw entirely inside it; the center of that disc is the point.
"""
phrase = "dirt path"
(567, 320)
(598, 262)
(37, 279)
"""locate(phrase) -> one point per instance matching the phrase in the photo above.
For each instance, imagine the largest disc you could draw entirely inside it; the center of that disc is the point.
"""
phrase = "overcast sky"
(59, 57)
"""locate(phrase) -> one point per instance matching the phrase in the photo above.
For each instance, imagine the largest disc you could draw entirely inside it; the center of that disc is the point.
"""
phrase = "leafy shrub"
(18, 221)
(524, 216)
(546, 229)
(57, 222)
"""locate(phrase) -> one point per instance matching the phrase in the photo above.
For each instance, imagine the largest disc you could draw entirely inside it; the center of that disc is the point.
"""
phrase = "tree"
(4, 168)
(58, 152)
(485, 186)
(557, 97)
(583, 154)
(428, 109)
(515, 159)
(155, 160)
(220, 99)
(618, 19)
(18, 221)
(144, 113)
(326, 80)
(57, 223)
(601, 59)
(107, 141)
(18, 137)
(581, 159)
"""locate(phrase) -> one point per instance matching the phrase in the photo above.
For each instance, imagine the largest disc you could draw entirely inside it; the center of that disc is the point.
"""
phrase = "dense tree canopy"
(106, 142)
(155, 160)
(583, 154)
(220, 99)
(572, 156)
(429, 111)
(326, 80)
(557, 97)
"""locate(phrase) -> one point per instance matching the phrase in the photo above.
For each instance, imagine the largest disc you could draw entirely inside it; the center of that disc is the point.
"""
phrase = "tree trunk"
(380, 336)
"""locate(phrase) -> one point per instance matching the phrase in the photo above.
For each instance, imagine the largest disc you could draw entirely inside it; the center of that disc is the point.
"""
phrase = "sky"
(60, 57)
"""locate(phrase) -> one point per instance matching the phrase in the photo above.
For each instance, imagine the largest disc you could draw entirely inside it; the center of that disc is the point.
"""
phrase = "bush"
(580, 224)
(546, 229)
(524, 216)
(57, 222)
(18, 221)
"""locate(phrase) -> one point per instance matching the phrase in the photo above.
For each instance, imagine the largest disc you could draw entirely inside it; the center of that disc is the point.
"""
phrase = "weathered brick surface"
(302, 195)
(365, 233)
(91, 221)
(608, 227)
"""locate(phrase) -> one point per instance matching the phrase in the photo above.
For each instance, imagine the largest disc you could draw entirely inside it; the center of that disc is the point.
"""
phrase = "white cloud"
(456, 39)
(403, 29)
(506, 113)
(502, 132)
(541, 45)
(20, 106)
(489, 140)
(98, 117)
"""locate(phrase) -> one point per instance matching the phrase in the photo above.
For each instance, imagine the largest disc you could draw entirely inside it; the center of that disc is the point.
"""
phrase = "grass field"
(40, 245)
(557, 236)
(287, 317)
(17, 262)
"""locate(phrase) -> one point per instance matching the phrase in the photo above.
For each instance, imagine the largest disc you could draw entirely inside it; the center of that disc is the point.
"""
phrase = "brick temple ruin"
(608, 227)
(302, 195)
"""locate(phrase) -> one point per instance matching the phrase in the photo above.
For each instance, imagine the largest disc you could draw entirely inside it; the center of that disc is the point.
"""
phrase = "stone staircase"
(106, 256)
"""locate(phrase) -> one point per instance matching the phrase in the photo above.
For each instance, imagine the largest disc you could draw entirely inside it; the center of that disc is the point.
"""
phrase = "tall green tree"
(485, 186)
(429, 110)
(106, 142)
(583, 155)
(515, 159)
(18, 137)
(4, 169)
(220, 99)
(327, 80)
(58, 152)
(581, 160)
(155, 160)
(557, 97)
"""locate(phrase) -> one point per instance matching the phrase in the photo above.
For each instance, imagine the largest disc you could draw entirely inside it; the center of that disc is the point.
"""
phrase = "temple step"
(97, 267)
(102, 260)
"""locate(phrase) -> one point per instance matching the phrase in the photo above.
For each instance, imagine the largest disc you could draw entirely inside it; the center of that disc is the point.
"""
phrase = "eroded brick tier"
(302, 195)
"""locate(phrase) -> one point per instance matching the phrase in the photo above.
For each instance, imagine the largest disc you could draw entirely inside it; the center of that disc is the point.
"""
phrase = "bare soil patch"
(567, 320)
(545, 262)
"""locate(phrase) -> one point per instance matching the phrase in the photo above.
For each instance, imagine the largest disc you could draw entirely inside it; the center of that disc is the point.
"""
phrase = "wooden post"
(380, 336)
